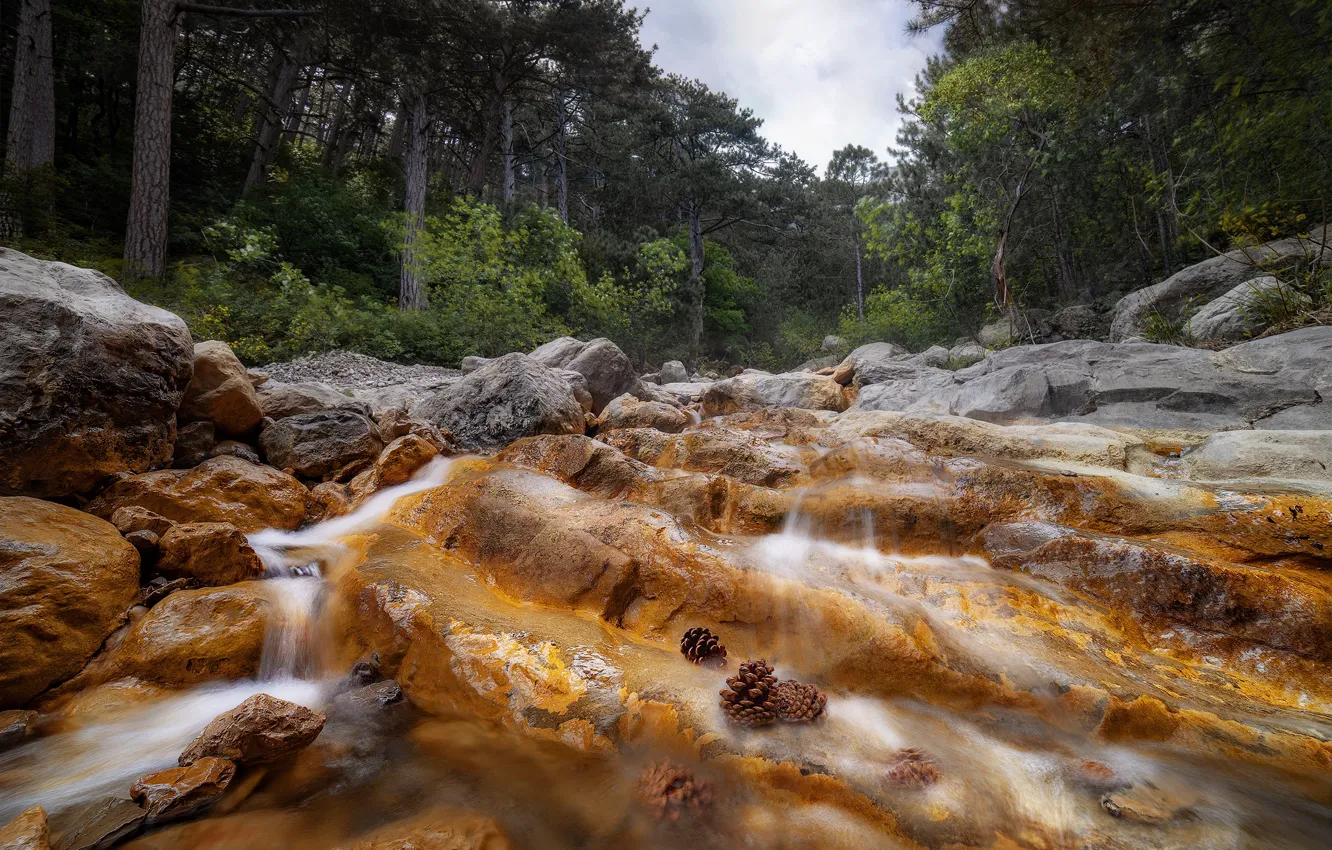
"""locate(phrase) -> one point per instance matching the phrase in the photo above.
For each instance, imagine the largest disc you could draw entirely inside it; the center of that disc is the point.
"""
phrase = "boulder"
(1232, 317)
(508, 398)
(936, 356)
(674, 372)
(97, 825)
(689, 393)
(1210, 278)
(194, 441)
(1262, 454)
(966, 353)
(132, 519)
(316, 445)
(754, 390)
(260, 730)
(15, 727)
(179, 792)
(221, 392)
(235, 448)
(1080, 321)
(863, 365)
(90, 379)
(472, 363)
(212, 553)
(628, 412)
(903, 386)
(223, 489)
(28, 831)
(403, 458)
(832, 343)
(607, 369)
(280, 400)
(66, 580)
(1021, 394)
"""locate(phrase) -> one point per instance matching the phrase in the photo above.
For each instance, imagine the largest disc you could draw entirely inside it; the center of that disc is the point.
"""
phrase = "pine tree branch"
(227, 11)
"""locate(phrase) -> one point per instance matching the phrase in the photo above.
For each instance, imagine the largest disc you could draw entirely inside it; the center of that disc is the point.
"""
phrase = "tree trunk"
(273, 114)
(411, 291)
(296, 116)
(150, 179)
(492, 120)
(860, 281)
(696, 290)
(32, 116)
(506, 140)
(562, 158)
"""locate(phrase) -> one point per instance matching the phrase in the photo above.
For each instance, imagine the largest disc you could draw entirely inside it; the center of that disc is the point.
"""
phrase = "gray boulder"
(903, 386)
(674, 372)
(1262, 454)
(753, 390)
(90, 379)
(967, 353)
(1023, 394)
(279, 400)
(832, 343)
(1232, 318)
(866, 364)
(510, 397)
(607, 369)
(472, 363)
(936, 356)
(317, 445)
(1207, 279)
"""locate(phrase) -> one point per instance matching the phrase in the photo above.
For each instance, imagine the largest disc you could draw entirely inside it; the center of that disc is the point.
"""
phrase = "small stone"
(132, 518)
(370, 698)
(15, 727)
(161, 587)
(146, 542)
(182, 791)
(234, 448)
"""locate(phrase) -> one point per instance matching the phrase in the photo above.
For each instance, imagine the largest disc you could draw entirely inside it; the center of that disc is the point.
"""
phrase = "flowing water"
(536, 718)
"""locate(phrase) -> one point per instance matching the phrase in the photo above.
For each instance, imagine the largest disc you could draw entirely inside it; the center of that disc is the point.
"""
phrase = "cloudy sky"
(822, 74)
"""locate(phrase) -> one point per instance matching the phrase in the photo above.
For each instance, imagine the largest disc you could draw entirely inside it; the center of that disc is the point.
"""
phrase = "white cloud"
(821, 73)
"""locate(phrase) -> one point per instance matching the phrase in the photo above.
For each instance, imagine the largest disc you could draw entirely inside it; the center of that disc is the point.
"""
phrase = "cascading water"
(102, 758)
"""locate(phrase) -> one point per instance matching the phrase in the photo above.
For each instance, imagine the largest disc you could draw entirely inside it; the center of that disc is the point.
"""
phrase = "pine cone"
(914, 769)
(700, 645)
(798, 702)
(670, 788)
(746, 697)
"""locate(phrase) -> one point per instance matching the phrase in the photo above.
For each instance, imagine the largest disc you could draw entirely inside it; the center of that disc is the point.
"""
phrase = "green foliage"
(892, 315)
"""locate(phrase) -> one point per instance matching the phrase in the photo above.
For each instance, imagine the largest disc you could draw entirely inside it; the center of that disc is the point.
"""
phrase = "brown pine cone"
(798, 703)
(669, 789)
(746, 697)
(700, 645)
(913, 769)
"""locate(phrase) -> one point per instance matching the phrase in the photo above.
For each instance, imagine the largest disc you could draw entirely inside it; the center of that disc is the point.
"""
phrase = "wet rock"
(234, 448)
(1152, 804)
(329, 499)
(317, 445)
(223, 489)
(212, 553)
(508, 398)
(628, 412)
(369, 698)
(66, 579)
(754, 390)
(608, 372)
(97, 825)
(279, 400)
(90, 379)
(674, 372)
(220, 392)
(1213, 276)
(15, 727)
(146, 543)
(133, 518)
(193, 443)
(160, 588)
(28, 831)
(1262, 454)
(180, 792)
(735, 455)
(260, 730)
(403, 458)
(439, 829)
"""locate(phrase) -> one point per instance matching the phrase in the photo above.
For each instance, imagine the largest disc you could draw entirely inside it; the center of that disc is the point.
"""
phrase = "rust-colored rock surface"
(212, 553)
(260, 730)
(182, 791)
(220, 392)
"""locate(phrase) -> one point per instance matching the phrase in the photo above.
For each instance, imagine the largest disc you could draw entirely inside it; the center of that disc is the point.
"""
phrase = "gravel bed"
(348, 370)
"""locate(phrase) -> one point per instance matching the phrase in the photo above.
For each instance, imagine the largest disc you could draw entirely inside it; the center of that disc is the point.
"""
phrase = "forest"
(423, 180)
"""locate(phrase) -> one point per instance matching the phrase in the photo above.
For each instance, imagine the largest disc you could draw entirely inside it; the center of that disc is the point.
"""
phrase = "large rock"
(66, 580)
(223, 489)
(90, 379)
(221, 392)
(863, 365)
(179, 792)
(1262, 454)
(511, 397)
(607, 369)
(279, 400)
(212, 553)
(903, 386)
(317, 445)
(1211, 277)
(674, 372)
(754, 390)
(628, 412)
(1022, 393)
(27, 831)
(98, 825)
(1233, 316)
(260, 730)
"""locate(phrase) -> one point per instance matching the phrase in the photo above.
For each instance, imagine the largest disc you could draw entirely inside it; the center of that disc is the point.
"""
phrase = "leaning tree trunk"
(32, 116)
(273, 114)
(561, 159)
(150, 178)
(411, 290)
(695, 313)
(506, 139)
